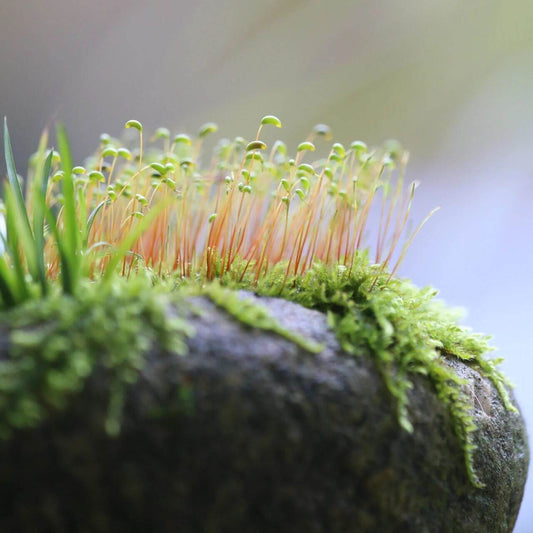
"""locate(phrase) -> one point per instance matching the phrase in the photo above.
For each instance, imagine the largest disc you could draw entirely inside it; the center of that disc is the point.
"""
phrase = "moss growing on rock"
(405, 329)
(75, 298)
(57, 342)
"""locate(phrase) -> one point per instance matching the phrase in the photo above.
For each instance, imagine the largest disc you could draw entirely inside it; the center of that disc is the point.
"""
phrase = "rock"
(250, 433)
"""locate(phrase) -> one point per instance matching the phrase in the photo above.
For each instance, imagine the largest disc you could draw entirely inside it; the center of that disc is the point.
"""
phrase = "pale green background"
(453, 80)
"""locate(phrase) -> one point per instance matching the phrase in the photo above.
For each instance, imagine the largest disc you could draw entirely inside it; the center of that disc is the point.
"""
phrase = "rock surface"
(249, 433)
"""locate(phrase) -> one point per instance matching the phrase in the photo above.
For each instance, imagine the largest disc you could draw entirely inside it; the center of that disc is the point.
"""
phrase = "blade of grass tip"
(12, 172)
(70, 223)
(124, 247)
(19, 210)
(92, 216)
(46, 173)
(37, 177)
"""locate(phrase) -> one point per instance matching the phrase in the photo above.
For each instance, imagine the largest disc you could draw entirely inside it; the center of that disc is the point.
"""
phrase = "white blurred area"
(452, 80)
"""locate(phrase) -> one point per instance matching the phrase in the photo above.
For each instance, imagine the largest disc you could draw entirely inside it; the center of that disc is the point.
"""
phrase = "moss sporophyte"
(89, 254)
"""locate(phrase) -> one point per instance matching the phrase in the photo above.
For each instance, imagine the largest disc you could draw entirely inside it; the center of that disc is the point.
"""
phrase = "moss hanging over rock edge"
(56, 343)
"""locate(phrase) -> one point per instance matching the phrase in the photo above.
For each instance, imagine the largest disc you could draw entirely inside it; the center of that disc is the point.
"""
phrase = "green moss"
(254, 315)
(62, 326)
(404, 329)
(58, 341)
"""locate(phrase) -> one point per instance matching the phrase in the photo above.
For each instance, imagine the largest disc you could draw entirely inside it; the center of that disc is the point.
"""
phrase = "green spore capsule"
(300, 193)
(271, 119)
(359, 146)
(158, 167)
(255, 145)
(305, 167)
(338, 148)
(206, 129)
(182, 138)
(109, 151)
(285, 184)
(96, 176)
(306, 146)
(162, 133)
(105, 139)
(134, 124)
(124, 153)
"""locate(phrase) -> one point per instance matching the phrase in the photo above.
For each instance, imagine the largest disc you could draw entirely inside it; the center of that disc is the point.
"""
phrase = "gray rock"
(250, 433)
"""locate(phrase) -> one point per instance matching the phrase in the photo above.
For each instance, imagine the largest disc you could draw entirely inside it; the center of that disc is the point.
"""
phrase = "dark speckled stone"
(250, 434)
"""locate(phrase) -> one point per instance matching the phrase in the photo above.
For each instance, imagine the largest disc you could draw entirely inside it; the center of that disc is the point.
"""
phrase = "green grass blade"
(124, 247)
(66, 271)
(46, 173)
(39, 174)
(92, 216)
(17, 205)
(70, 238)
(87, 231)
(19, 232)
(12, 172)
(16, 239)
(39, 187)
(20, 238)
(7, 282)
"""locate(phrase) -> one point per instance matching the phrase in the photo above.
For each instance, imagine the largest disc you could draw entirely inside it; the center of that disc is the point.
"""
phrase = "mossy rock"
(251, 432)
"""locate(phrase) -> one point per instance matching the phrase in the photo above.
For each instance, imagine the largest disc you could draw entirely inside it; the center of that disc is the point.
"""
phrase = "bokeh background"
(451, 79)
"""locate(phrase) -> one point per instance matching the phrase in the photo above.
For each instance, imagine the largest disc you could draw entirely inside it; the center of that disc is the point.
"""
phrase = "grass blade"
(70, 237)
(25, 240)
(132, 238)
(92, 216)
(67, 282)
(12, 172)
(7, 282)
(39, 188)
(14, 233)
(17, 210)
(46, 173)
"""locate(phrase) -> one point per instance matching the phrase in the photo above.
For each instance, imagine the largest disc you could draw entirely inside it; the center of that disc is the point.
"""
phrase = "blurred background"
(452, 80)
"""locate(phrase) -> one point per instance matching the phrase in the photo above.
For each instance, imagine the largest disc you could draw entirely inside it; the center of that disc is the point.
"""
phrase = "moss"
(253, 315)
(282, 215)
(403, 328)
(57, 342)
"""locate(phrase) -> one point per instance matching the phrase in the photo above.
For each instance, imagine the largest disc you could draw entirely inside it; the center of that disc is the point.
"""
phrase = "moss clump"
(403, 328)
(58, 341)
(255, 220)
